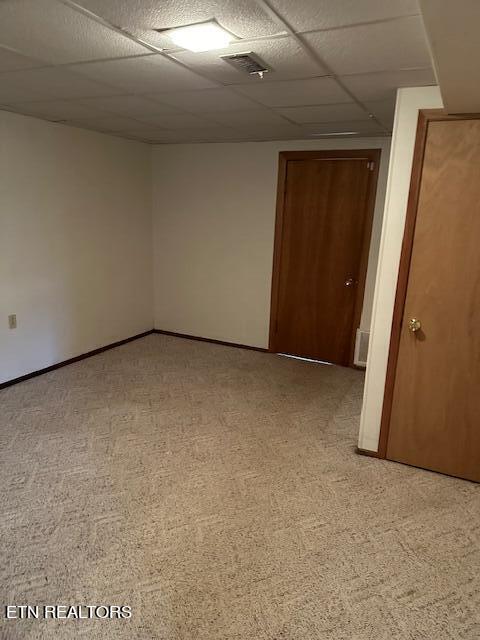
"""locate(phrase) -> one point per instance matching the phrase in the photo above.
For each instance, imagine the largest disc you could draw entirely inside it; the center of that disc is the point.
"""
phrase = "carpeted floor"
(216, 491)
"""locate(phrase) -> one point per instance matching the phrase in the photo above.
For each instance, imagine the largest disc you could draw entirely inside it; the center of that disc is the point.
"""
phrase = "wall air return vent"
(361, 348)
(246, 63)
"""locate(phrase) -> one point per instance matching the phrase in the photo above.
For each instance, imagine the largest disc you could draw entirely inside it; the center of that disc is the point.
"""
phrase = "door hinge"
(371, 165)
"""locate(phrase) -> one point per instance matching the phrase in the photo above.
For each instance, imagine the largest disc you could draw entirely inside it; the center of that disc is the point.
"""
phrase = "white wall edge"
(409, 102)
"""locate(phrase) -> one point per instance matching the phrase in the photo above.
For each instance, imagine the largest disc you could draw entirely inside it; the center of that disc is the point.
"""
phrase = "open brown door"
(433, 406)
(324, 217)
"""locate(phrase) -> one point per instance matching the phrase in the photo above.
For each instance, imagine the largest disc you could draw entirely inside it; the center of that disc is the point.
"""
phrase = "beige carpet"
(216, 491)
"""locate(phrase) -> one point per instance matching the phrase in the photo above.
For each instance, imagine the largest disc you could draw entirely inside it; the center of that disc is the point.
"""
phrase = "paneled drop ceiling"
(101, 65)
(453, 34)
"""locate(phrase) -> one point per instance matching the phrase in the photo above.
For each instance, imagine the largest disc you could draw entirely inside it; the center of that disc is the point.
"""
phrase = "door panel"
(324, 217)
(435, 417)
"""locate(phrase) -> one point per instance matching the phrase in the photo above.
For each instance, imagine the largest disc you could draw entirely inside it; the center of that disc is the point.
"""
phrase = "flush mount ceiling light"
(336, 133)
(204, 36)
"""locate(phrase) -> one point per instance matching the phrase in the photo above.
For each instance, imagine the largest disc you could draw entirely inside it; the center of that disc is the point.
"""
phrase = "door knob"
(414, 325)
(349, 282)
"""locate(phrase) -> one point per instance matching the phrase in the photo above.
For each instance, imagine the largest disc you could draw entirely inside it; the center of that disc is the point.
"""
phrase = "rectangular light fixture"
(336, 133)
(204, 36)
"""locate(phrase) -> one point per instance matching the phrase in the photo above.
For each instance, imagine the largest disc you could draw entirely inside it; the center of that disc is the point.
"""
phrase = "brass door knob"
(349, 282)
(414, 325)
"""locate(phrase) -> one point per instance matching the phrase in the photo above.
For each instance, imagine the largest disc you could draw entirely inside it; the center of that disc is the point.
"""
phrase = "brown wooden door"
(321, 254)
(435, 411)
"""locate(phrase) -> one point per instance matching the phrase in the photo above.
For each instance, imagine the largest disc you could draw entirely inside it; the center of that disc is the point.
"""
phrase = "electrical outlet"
(12, 321)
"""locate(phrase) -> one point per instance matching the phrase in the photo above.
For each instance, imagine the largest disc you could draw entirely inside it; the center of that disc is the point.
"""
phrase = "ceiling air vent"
(246, 63)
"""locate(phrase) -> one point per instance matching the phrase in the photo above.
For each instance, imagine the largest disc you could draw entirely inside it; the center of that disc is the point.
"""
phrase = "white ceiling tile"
(57, 109)
(105, 123)
(150, 137)
(244, 18)
(453, 31)
(14, 61)
(128, 136)
(216, 134)
(311, 15)
(383, 85)
(54, 32)
(284, 56)
(178, 121)
(145, 74)
(384, 110)
(250, 117)
(204, 101)
(272, 132)
(296, 92)
(154, 134)
(48, 84)
(367, 127)
(325, 113)
(397, 44)
(131, 106)
(160, 136)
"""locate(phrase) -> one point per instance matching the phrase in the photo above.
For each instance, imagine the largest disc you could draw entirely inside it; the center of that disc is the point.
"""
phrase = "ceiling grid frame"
(314, 55)
(170, 55)
(280, 113)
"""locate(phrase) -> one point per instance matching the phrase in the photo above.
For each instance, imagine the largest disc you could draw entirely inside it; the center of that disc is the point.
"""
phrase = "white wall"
(75, 242)
(214, 216)
(409, 102)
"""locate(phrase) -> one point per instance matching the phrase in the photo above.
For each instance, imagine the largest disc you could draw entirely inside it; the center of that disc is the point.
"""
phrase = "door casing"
(370, 155)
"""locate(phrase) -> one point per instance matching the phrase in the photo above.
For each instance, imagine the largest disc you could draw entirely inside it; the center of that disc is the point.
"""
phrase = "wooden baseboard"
(200, 339)
(64, 363)
(367, 452)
